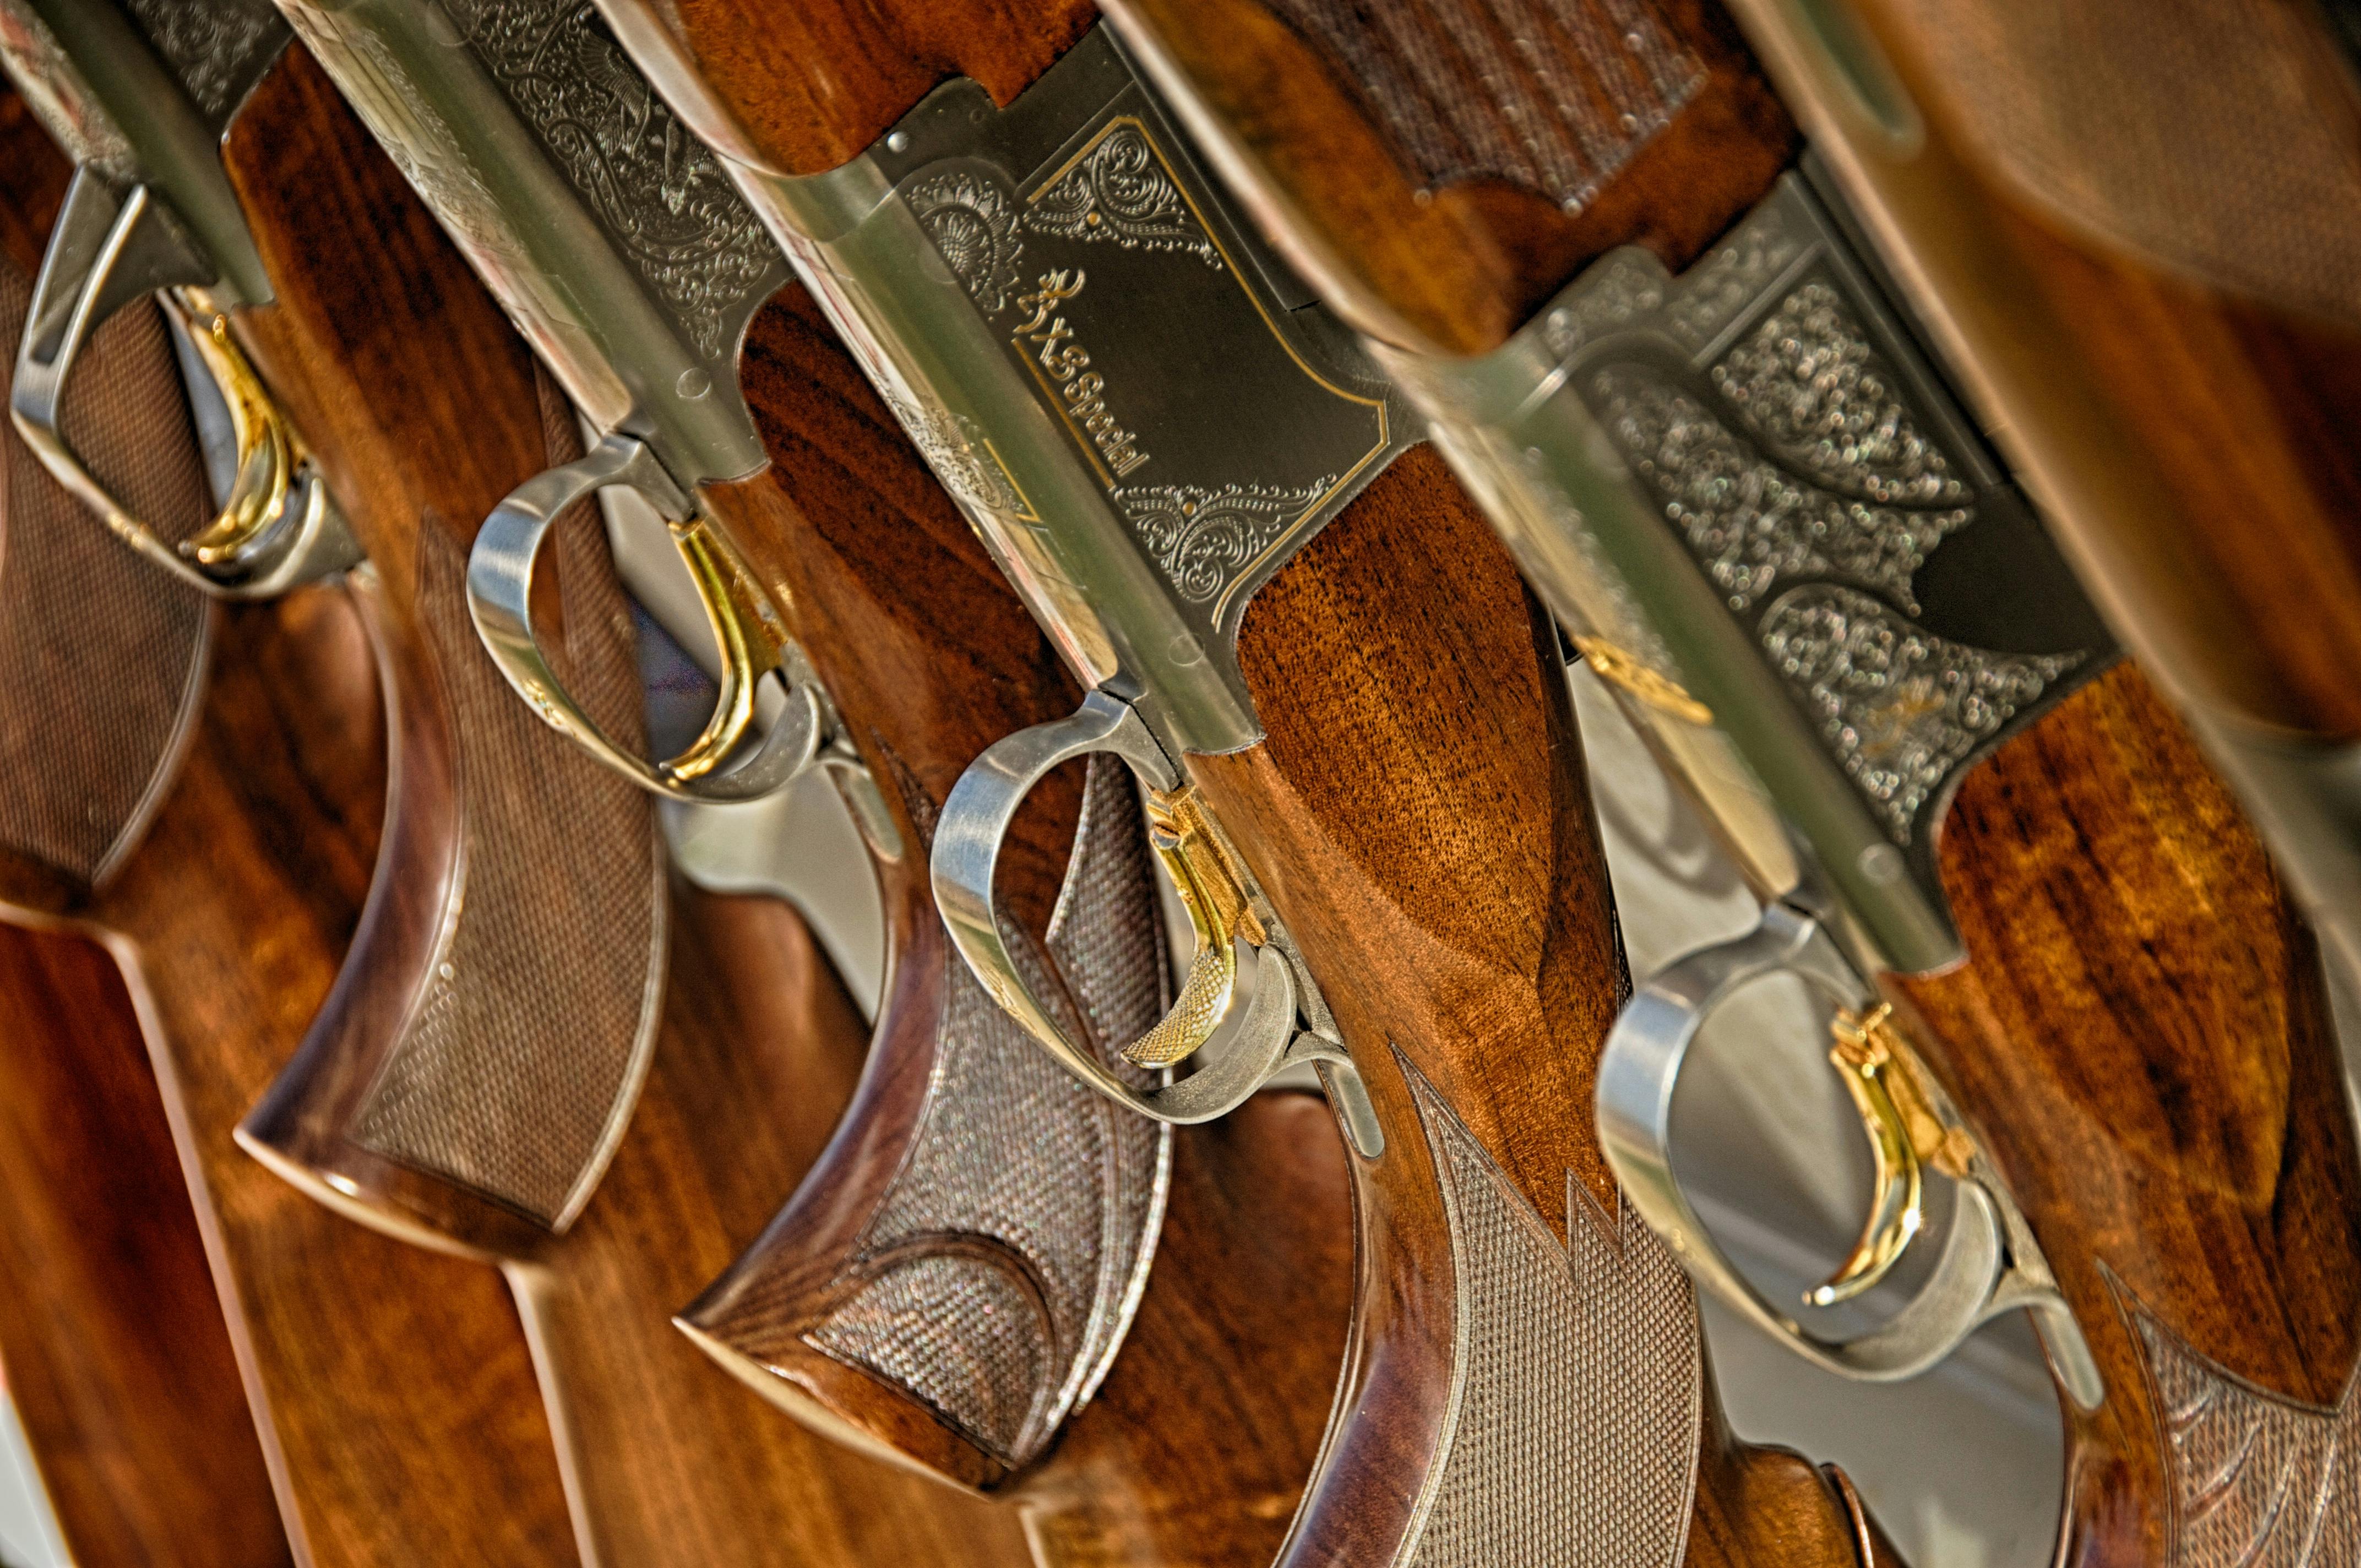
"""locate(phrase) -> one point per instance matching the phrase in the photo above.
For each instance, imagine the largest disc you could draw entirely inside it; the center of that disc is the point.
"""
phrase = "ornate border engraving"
(1118, 191)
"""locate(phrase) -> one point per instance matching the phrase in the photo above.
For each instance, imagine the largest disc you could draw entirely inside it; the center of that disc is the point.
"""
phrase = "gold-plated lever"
(268, 451)
(749, 637)
(1215, 897)
(1617, 667)
(1905, 1134)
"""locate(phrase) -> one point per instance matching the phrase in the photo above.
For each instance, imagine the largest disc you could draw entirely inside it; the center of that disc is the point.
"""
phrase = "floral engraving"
(657, 189)
(1121, 194)
(1901, 706)
(954, 448)
(1203, 538)
(972, 218)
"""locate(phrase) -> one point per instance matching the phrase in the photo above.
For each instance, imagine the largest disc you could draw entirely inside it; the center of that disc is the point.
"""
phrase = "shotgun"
(2070, 979)
(1354, 725)
(2163, 332)
(837, 561)
(502, 1038)
(119, 1361)
(236, 750)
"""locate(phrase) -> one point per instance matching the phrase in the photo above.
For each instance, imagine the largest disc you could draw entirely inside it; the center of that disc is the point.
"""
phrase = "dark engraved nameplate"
(1776, 415)
(1223, 424)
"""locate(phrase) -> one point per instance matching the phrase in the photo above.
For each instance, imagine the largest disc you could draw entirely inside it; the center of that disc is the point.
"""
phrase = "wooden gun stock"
(471, 1079)
(1196, 1446)
(229, 923)
(118, 1360)
(2138, 1032)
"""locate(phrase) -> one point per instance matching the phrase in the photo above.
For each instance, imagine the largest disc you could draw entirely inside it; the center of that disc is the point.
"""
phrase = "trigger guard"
(500, 601)
(968, 835)
(1637, 1073)
(107, 251)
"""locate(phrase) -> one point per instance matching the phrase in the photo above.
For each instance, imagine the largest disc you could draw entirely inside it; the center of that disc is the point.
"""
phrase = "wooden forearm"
(118, 1362)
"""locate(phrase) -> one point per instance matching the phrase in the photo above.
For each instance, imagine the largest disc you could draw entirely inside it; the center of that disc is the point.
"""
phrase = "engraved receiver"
(1354, 730)
(826, 531)
(1654, 343)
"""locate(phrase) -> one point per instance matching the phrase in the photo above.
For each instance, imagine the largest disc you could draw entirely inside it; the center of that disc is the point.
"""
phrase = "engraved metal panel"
(523, 1054)
(216, 49)
(1142, 410)
(102, 657)
(1577, 1379)
(1001, 1270)
(1778, 422)
(1553, 94)
(2259, 1481)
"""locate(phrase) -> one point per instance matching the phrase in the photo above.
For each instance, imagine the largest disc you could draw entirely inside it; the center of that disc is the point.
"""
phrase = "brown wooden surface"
(33, 178)
(2153, 408)
(1419, 816)
(117, 1358)
(2141, 1036)
(1199, 1441)
(1453, 261)
(229, 924)
(425, 410)
(814, 85)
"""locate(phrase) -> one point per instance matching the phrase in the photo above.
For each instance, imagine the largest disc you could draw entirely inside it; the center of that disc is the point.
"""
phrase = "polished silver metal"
(499, 598)
(615, 242)
(150, 208)
(110, 248)
(1282, 1022)
(1987, 1265)
(1176, 423)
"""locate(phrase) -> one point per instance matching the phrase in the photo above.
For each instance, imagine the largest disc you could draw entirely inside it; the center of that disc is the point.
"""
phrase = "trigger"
(1866, 1063)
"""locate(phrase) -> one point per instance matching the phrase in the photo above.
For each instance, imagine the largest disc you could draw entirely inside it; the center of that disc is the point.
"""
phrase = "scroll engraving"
(1203, 538)
(522, 1057)
(972, 218)
(215, 48)
(657, 189)
(1118, 191)
(2260, 1481)
(1577, 1378)
(997, 1277)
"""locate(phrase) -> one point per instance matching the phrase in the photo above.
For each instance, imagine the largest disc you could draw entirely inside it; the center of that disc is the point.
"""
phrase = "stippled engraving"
(521, 1058)
(1553, 94)
(1901, 707)
(36, 64)
(1118, 193)
(2259, 1481)
(1000, 1271)
(656, 187)
(101, 656)
(1577, 1379)
(215, 48)
(1771, 412)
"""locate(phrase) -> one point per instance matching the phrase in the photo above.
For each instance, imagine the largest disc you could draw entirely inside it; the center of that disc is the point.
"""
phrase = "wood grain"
(118, 1360)
(1449, 257)
(2141, 1038)
(1419, 817)
(426, 410)
(1199, 1441)
(814, 85)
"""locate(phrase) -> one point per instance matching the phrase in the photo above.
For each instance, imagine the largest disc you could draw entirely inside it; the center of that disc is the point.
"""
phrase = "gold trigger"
(749, 638)
(1218, 912)
(1905, 1133)
(268, 451)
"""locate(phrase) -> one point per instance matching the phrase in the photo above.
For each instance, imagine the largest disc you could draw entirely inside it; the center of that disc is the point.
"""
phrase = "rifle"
(1297, 631)
(119, 1361)
(237, 751)
(502, 1039)
(968, 1169)
(2107, 1023)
